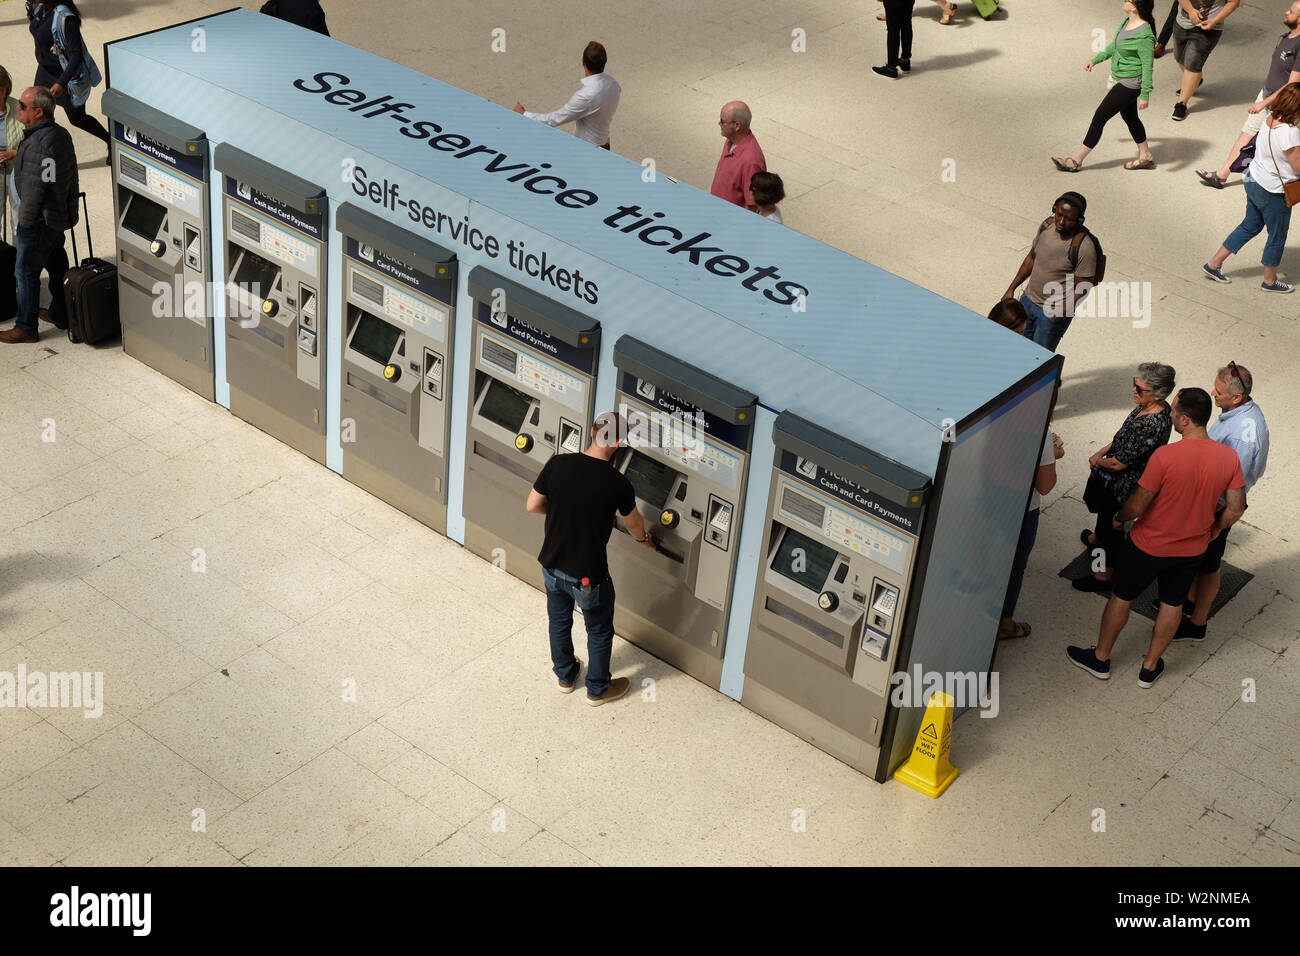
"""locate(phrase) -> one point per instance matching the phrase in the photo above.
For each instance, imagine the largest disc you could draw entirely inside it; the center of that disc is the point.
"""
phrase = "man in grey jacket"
(45, 171)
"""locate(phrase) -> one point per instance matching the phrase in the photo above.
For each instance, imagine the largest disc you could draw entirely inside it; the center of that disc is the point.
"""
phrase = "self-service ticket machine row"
(834, 601)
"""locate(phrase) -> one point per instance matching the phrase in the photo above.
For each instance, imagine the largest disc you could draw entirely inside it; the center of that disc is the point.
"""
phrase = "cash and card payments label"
(532, 373)
(682, 441)
(845, 529)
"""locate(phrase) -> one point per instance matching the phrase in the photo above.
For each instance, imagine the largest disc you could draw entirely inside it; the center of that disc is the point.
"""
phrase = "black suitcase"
(90, 292)
(8, 260)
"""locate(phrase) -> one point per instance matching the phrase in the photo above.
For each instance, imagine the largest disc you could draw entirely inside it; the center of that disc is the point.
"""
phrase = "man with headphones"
(1061, 265)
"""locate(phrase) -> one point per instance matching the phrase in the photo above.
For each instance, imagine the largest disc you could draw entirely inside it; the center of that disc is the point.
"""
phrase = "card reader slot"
(515, 467)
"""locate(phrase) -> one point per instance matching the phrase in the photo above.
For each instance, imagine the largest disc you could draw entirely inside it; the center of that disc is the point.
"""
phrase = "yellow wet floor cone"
(928, 769)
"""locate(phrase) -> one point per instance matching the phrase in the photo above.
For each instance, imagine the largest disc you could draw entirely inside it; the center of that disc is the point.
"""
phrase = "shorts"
(1255, 121)
(1213, 556)
(1135, 569)
(1192, 47)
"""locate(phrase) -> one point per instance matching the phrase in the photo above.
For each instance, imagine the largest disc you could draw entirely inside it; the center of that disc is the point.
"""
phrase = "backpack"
(1073, 253)
(271, 8)
(88, 77)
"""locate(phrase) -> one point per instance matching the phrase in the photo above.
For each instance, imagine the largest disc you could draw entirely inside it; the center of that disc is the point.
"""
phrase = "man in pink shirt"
(741, 157)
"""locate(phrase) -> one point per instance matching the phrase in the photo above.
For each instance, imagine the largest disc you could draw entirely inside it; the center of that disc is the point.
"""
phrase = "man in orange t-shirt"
(1174, 505)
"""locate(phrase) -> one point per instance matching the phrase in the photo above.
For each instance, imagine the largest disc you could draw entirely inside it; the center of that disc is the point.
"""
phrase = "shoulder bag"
(1289, 189)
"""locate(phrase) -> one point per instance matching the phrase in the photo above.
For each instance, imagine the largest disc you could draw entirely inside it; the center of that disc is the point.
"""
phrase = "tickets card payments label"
(851, 533)
(535, 374)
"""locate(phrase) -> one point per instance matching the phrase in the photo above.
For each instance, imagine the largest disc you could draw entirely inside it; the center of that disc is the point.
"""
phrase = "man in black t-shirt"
(579, 494)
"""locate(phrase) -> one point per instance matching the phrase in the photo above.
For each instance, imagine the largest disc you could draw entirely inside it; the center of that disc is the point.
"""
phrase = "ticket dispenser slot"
(274, 255)
(398, 291)
(687, 456)
(534, 368)
(160, 203)
(831, 603)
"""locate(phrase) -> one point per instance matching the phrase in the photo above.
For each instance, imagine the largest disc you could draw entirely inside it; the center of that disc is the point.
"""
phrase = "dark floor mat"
(1234, 579)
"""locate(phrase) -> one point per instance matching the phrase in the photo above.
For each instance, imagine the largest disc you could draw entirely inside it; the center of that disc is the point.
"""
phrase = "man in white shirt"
(593, 105)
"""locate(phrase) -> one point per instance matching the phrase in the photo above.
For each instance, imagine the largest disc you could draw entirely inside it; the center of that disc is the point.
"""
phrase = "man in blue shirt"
(1242, 428)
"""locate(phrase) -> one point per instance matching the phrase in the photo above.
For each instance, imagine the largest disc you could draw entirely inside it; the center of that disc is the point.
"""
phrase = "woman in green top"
(1132, 54)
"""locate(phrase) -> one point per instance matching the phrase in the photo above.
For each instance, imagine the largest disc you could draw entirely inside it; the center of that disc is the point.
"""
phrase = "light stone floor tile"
(375, 747)
(502, 829)
(460, 850)
(311, 815)
(194, 849)
(437, 786)
(399, 840)
(545, 849)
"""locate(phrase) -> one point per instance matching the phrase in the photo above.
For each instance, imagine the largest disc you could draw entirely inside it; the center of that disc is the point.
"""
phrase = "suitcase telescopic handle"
(85, 215)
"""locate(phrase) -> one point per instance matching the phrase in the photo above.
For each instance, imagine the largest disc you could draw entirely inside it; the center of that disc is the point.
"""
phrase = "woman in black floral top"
(1117, 468)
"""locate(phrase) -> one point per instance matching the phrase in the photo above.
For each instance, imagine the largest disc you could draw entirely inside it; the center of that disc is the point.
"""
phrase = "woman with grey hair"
(1117, 468)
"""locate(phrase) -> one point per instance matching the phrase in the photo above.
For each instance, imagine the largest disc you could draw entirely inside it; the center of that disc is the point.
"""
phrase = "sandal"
(1140, 164)
(880, 16)
(1018, 629)
(1067, 165)
(948, 10)
(1212, 179)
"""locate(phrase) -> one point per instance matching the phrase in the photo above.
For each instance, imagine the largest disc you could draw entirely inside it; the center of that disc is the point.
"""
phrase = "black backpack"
(271, 8)
(1073, 254)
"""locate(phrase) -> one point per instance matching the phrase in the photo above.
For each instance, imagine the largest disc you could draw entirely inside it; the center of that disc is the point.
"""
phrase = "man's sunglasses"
(1232, 370)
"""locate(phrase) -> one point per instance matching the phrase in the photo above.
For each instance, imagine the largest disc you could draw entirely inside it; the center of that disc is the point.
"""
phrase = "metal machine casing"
(532, 394)
(687, 454)
(398, 298)
(275, 266)
(160, 204)
(835, 595)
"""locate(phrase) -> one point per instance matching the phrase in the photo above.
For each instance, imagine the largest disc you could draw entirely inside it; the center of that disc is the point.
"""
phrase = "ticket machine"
(274, 260)
(160, 202)
(399, 292)
(534, 368)
(687, 456)
(834, 603)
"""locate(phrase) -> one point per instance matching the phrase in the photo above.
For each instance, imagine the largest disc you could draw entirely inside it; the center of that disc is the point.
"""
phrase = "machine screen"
(810, 567)
(144, 217)
(257, 275)
(652, 480)
(505, 406)
(375, 338)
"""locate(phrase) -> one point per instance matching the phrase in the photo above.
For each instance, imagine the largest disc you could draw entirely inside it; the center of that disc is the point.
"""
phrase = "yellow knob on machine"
(392, 372)
(524, 442)
(669, 518)
(270, 307)
(158, 247)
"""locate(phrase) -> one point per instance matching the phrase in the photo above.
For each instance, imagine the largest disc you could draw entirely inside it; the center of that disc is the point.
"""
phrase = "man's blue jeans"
(1263, 210)
(563, 591)
(39, 247)
(1040, 328)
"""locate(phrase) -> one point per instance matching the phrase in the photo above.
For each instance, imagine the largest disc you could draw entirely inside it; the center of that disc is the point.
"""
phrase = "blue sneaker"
(1215, 274)
(1278, 286)
(1148, 677)
(1086, 657)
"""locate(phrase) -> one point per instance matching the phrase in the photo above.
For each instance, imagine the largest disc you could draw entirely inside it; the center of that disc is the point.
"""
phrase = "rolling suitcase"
(90, 292)
(8, 260)
(986, 8)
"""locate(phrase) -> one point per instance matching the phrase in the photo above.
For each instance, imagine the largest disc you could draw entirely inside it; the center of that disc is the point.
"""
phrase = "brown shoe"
(568, 688)
(617, 688)
(16, 334)
(880, 16)
(44, 315)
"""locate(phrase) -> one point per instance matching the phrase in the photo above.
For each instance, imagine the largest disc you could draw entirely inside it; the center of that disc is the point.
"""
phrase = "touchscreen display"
(374, 338)
(144, 217)
(505, 406)
(256, 275)
(650, 479)
(803, 560)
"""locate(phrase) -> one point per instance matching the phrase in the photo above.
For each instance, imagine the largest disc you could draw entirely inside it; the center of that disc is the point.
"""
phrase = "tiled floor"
(297, 673)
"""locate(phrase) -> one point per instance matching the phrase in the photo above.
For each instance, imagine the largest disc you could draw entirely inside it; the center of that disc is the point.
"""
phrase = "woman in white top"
(1277, 157)
(767, 190)
(11, 134)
